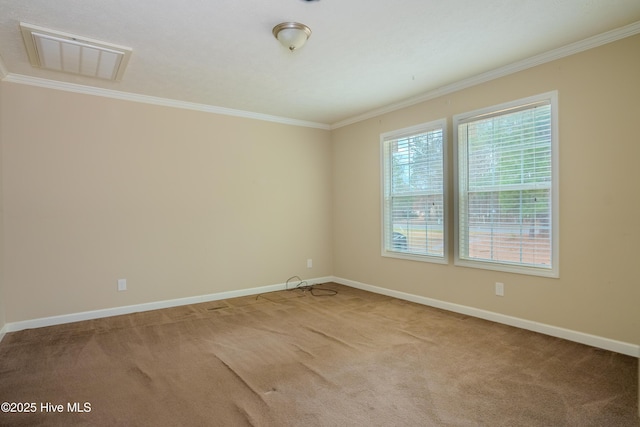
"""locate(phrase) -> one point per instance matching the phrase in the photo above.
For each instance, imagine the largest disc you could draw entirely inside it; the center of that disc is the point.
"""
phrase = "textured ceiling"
(362, 55)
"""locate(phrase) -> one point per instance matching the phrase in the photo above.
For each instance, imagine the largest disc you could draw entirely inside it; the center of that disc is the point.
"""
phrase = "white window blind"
(506, 184)
(413, 165)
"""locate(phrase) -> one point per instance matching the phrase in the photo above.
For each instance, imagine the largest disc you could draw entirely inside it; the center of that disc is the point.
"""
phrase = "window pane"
(510, 226)
(418, 219)
(413, 188)
(505, 187)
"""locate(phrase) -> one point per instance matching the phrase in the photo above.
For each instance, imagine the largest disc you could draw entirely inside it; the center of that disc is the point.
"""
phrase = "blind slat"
(505, 187)
(413, 191)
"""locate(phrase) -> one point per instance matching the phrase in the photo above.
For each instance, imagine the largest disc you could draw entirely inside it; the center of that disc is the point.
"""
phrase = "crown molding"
(543, 58)
(562, 52)
(146, 99)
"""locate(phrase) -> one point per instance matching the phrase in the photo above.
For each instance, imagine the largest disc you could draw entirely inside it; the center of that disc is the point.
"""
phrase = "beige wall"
(2, 298)
(598, 291)
(180, 203)
(184, 203)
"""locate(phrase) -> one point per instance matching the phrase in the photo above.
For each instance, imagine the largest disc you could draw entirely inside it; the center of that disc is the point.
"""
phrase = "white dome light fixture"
(291, 35)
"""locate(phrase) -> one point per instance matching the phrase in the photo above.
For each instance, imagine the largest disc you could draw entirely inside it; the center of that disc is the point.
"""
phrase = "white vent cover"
(60, 51)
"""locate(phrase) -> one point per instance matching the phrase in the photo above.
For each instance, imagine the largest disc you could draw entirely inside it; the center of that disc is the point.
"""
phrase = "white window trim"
(553, 272)
(406, 132)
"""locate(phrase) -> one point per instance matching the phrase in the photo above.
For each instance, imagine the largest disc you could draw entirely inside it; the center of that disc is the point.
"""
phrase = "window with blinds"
(413, 186)
(506, 201)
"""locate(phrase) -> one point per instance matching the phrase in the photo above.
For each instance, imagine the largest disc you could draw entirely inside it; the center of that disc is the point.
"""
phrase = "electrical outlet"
(309, 263)
(499, 289)
(122, 284)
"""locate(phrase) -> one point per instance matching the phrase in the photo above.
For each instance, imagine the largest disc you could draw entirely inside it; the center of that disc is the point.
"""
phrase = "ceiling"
(362, 55)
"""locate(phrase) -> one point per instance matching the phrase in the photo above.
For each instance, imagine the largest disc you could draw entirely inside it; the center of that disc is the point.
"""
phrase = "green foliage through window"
(413, 169)
(505, 186)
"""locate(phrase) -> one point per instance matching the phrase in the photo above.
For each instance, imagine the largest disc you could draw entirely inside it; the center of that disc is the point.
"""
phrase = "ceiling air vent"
(60, 51)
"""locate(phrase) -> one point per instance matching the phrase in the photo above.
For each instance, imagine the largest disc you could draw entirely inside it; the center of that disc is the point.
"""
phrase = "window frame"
(497, 110)
(388, 137)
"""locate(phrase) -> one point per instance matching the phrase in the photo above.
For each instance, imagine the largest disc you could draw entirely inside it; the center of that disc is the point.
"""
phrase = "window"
(507, 187)
(413, 186)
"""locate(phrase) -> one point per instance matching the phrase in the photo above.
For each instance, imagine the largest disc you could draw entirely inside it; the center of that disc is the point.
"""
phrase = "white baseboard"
(554, 331)
(116, 311)
(580, 337)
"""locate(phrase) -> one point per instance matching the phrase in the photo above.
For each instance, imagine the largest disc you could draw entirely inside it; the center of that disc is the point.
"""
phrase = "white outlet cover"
(122, 284)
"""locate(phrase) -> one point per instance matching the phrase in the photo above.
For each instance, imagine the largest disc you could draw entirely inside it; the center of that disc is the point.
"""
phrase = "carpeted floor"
(292, 359)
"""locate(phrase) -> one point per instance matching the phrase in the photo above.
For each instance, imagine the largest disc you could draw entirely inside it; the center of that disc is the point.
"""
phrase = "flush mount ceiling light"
(291, 35)
(58, 51)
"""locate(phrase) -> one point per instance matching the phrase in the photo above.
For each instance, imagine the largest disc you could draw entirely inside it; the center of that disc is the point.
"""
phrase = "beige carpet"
(292, 359)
